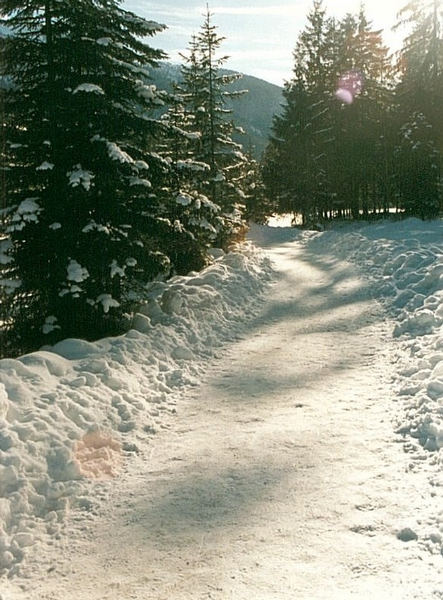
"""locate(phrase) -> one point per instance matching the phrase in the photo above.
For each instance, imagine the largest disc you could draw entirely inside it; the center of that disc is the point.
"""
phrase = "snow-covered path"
(277, 478)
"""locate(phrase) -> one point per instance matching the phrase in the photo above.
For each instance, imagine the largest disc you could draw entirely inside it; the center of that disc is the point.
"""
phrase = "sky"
(260, 34)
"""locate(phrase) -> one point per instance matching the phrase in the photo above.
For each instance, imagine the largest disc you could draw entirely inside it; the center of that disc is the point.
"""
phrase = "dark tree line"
(360, 135)
(100, 195)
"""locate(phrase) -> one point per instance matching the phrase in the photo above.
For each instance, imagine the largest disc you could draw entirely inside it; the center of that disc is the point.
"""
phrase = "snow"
(147, 91)
(104, 41)
(93, 226)
(405, 261)
(141, 164)
(148, 27)
(45, 166)
(116, 153)
(76, 272)
(68, 411)
(298, 470)
(139, 181)
(79, 176)
(28, 207)
(5, 246)
(184, 199)
(192, 165)
(50, 324)
(106, 300)
(10, 285)
(27, 212)
(203, 223)
(116, 270)
(90, 88)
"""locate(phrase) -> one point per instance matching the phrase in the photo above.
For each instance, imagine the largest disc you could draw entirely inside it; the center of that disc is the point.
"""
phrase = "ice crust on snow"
(71, 414)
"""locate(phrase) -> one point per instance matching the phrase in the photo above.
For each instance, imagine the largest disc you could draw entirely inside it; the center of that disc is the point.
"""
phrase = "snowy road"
(280, 478)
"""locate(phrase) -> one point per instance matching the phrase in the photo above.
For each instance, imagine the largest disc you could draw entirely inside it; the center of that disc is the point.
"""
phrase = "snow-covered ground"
(75, 412)
(303, 401)
(405, 262)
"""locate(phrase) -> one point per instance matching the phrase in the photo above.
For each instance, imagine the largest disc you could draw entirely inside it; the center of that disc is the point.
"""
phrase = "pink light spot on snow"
(98, 455)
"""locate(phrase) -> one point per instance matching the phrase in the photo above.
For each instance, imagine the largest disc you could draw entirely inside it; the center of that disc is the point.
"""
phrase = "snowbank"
(74, 412)
(405, 261)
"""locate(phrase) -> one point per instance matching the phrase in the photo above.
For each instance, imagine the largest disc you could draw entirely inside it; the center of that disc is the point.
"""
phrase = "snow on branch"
(89, 88)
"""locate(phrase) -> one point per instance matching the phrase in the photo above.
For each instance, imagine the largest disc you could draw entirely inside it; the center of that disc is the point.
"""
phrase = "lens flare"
(350, 85)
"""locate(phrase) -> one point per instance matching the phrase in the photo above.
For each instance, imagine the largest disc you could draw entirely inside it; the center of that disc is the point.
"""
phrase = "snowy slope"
(73, 413)
(404, 261)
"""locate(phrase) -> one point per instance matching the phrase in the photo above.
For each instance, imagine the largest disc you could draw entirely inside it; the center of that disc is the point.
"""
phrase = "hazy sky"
(260, 34)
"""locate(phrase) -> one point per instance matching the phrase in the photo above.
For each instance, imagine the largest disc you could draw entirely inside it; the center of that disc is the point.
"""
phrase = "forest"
(364, 128)
(109, 183)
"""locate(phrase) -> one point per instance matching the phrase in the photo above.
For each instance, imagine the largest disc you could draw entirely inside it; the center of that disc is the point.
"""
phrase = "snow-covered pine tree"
(81, 207)
(192, 215)
(205, 94)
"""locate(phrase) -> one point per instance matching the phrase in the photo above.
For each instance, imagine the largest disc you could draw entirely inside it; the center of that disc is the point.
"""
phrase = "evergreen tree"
(81, 209)
(259, 206)
(361, 140)
(419, 96)
(327, 146)
(193, 216)
(205, 94)
(314, 70)
(286, 169)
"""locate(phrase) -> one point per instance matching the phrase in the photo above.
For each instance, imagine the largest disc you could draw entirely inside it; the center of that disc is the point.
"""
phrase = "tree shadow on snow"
(339, 289)
(189, 505)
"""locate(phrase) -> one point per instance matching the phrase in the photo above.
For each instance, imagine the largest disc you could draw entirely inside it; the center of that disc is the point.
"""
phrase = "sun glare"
(381, 13)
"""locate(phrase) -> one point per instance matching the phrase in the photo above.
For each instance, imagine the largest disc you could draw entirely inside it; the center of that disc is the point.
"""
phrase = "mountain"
(253, 111)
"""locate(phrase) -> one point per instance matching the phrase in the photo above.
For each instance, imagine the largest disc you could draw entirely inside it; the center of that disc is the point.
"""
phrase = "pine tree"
(205, 94)
(192, 215)
(81, 204)
(287, 160)
(259, 206)
(419, 96)
(360, 125)
(331, 136)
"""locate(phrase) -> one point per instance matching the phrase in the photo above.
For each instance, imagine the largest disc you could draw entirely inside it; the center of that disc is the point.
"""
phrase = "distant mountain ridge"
(253, 111)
